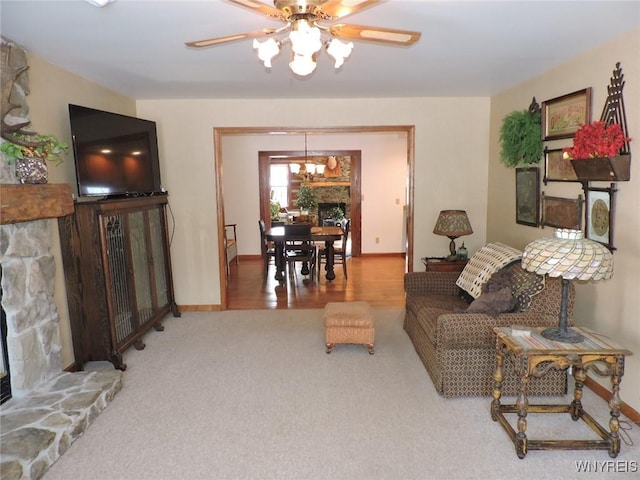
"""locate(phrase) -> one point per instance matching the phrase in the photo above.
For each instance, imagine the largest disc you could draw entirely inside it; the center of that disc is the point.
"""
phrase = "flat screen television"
(115, 155)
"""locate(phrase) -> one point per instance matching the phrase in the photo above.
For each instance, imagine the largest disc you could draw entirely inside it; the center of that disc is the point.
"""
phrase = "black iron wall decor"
(614, 167)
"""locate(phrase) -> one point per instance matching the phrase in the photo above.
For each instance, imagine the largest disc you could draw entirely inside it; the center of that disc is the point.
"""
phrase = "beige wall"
(610, 307)
(52, 89)
(451, 165)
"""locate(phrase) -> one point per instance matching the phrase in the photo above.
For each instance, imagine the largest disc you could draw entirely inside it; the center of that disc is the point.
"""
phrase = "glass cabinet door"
(156, 230)
(140, 265)
(117, 277)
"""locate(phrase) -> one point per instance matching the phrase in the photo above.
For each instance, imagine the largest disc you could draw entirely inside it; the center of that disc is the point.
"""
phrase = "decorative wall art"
(528, 196)
(332, 167)
(599, 214)
(562, 116)
(557, 168)
(601, 149)
(562, 212)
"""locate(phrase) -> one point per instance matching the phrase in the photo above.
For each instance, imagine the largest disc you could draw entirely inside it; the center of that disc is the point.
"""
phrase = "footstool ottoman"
(349, 322)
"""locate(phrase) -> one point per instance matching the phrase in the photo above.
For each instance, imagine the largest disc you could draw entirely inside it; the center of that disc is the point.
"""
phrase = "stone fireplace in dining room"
(333, 196)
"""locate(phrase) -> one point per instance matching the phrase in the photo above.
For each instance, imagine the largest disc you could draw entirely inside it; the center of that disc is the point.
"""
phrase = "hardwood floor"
(378, 280)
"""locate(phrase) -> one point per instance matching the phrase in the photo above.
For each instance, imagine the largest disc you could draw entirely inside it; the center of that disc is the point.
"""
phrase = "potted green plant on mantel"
(596, 153)
(307, 200)
(31, 155)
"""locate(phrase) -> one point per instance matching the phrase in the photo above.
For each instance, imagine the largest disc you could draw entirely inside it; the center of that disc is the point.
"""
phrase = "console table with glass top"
(534, 356)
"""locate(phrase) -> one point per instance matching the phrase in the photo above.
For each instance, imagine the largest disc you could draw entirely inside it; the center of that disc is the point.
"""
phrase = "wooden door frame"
(220, 132)
(355, 190)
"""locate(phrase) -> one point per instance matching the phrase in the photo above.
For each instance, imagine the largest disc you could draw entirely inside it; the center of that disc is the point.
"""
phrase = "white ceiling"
(468, 48)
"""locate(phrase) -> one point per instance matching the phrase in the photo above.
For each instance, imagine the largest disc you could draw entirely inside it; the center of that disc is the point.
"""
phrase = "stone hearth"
(39, 428)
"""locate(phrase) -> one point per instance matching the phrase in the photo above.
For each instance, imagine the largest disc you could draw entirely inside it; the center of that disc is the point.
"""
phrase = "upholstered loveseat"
(456, 341)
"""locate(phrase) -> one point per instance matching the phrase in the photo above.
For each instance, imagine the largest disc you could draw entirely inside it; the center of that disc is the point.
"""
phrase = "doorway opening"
(347, 188)
(406, 132)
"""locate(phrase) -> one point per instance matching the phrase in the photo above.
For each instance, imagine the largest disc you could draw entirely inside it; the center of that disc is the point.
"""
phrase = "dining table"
(280, 235)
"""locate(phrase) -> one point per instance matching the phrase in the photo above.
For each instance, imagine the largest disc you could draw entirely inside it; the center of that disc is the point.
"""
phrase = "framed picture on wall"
(599, 214)
(557, 168)
(561, 212)
(528, 196)
(562, 116)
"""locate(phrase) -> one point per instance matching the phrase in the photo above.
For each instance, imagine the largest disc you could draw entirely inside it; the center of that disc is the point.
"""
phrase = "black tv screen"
(115, 155)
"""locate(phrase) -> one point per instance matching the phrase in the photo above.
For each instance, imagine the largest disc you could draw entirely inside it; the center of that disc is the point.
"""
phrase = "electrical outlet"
(377, 239)
(397, 201)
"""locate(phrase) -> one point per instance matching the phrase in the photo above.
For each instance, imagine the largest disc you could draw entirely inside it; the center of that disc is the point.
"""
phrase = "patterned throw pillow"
(525, 285)
(493, 303)
(483, 264)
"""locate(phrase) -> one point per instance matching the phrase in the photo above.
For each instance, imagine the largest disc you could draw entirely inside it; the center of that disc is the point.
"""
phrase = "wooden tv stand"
(118, 275)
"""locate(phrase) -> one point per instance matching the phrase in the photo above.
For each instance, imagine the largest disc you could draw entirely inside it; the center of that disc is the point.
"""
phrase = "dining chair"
(339, 252)
(300, 251)
(267, 249)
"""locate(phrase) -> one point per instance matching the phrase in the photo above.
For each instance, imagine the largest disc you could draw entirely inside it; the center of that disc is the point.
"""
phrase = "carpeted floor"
(253, 395)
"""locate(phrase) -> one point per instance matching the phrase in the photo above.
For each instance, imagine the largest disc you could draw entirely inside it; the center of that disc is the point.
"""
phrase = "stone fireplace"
(50, 408)
(28, 279)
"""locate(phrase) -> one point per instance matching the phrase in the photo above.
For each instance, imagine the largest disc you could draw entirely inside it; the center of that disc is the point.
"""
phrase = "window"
(279, 184)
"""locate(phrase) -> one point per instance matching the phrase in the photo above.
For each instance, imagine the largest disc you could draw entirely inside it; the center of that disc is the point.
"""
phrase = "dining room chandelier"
(306, 169)
(306, 41)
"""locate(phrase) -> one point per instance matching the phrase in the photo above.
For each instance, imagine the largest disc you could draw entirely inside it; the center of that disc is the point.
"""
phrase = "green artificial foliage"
(275, 210)
(336, 213)
(306, 198)
(521, 138)
(46, 147)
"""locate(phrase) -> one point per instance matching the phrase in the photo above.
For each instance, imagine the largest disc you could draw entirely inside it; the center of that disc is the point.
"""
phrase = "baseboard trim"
(199, 308)
(71, 368)
(249, 257)
(605, 394)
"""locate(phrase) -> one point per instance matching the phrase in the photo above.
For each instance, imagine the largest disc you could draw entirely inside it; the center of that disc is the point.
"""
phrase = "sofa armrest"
(431, 283)
(473, 330)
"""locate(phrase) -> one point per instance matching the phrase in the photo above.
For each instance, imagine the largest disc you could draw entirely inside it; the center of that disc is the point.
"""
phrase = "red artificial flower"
(597, 140)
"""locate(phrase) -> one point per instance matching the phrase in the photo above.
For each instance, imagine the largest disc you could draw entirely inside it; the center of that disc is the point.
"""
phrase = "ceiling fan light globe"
(305, 38)
(302, 65)
(99, 3)
(266, 50)
(339, 50)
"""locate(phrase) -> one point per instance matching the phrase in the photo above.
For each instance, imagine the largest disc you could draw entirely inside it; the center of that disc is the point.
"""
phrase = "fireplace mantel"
(25, 203)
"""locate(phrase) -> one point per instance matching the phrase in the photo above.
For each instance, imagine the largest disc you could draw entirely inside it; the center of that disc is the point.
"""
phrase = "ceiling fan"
(304, 22)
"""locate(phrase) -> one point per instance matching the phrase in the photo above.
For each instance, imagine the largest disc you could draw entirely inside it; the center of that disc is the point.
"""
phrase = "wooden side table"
(534, 356)
(441, 264)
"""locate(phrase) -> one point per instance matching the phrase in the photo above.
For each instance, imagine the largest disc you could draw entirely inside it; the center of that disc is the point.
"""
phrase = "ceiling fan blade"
(375, 34)
(230, 38)
(341, 8)
(260, 7)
